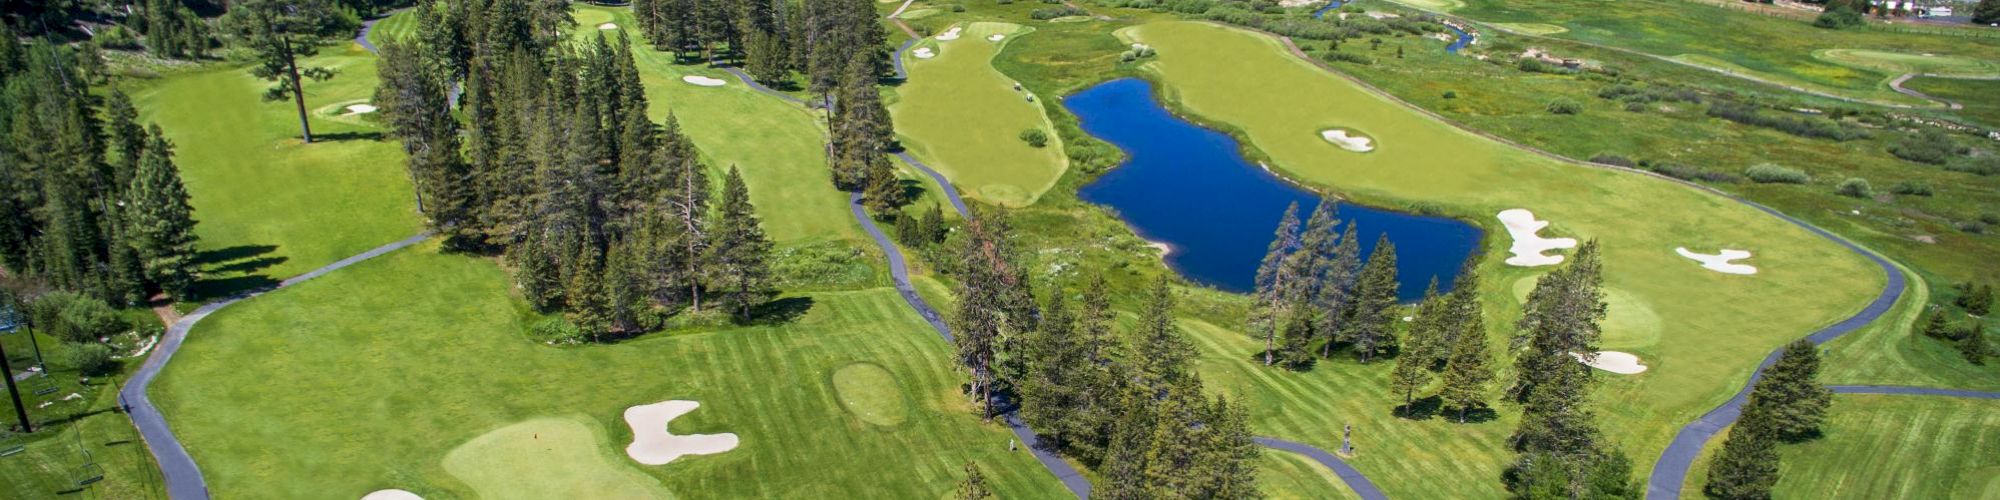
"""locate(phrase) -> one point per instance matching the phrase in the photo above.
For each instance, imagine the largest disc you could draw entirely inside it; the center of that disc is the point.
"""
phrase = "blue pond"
(1191, 188)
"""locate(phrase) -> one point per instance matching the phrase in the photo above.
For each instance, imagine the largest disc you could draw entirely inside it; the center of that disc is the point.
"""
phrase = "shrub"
(1635, 107)
(1984, 165)
(1691, 173)
(1451, 94)
(1976, 299)
(1337, 55)
(1855, 187)
(1611, 159)
(1841, 17)
(1970, 227)
(74, 317)
(1035, 137)
(1931, 146)
(1064, 11)
(1565, 106)
(1912, 188)
(92, 359)
(1768, 174)
(1814, 127)
(557, 330)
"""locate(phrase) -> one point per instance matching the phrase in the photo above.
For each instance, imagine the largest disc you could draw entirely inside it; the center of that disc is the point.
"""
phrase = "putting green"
(1628, 322)
(918, 13)
(964, 118)
(1900, 62)
(1433, 5)
(549, 457)
(1722, 325)
(1532, 28)
(870, 393)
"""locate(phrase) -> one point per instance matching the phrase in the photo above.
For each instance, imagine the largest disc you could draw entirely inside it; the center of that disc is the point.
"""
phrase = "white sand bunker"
(924, 53)
(703, 81)
(1529, 244)
(996, 37)
(652, 444)
(607, 26)
(391, 494)
(1720, 262)
(1622, 363)
(357, 109)
(950, 34)
(1353, 143)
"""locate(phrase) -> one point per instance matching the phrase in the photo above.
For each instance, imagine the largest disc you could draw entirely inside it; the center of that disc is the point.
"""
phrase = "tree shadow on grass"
(781, 311)
(234, 270)
(1419, 409)
(349, 136)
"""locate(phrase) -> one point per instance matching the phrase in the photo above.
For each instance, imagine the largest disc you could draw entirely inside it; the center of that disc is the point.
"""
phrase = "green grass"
(963, 118)
(1975, 95)
(395, 27)
(1717, 327)
(1900, 62)
(550, 457)
(1772, 48)
(268, 205)
(1898, 447)
(72, 433)
(1892, 353)
(1287, 476)
(371, 376)
(1532, 28)
(871, 393)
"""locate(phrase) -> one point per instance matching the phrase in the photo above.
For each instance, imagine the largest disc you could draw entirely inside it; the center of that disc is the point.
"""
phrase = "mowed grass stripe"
(1881, 446)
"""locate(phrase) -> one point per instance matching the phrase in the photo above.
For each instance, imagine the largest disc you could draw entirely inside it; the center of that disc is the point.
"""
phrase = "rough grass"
(73, 433)
(1721, 325)
(550, 457)
(1975, 95)
(963, 118)
(1773, 48)
(270, 206)
(371, 376)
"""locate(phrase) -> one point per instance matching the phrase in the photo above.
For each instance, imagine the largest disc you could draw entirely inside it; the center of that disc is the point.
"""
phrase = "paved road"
(183, 479)
(1361, 485)
(1897, 85)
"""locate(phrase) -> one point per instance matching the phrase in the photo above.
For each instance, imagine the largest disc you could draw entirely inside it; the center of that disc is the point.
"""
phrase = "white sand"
(924, 53)
(1720, 262)
(1340, 138)
(703, 81)
(1528, 241)
(1622, 363)
(996, 37)
(391, 495)
(356, 109)
(607, 26)
(652, 444)
(950, 34)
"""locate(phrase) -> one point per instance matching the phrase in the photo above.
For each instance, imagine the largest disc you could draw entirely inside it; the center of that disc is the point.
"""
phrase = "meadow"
(1717, 326)
(1776, 49)
(963, 118)
(1975, 95)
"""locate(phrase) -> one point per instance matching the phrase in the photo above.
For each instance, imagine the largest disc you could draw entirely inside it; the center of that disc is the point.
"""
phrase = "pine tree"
(1747, 467)
(738, 251)
(1163, 353)
(162, 222)
(1412, 371)
(974, 487)
(884, 193)
(1268, 317)
(1373, 310)
(1468, 367)
(1056, 361)
(1295, 345)
(1791, 395)
(1935, 324)
(1232, 454)
(931, 226)
(1341, 272)
(1561, 316)
(1426, 338)
(282, 33)
(415, 102)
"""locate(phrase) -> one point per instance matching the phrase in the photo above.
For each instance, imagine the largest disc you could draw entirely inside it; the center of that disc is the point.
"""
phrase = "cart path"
(177, 469)
(1897, 85)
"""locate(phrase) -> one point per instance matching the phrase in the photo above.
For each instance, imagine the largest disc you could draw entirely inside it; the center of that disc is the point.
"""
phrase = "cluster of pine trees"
(837, 45)
(1313, 286)
(1561, 451)
(1135, 412)
(600, 212)
(1787, 404)
(92, 201)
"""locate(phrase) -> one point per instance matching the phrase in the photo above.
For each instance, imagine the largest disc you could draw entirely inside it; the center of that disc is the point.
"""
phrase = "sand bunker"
(703, 81)
(607, 26)
(996, 37)
(652, 444)
(1622, 363)
(1528, 242)
(1720, 262)
(391, 495)
(356, 109)
(950, 34)
(924, 53)
(1353, 143)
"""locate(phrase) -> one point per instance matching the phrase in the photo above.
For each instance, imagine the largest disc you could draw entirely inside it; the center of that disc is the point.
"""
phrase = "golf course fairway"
(962, 117)
(1714, 327)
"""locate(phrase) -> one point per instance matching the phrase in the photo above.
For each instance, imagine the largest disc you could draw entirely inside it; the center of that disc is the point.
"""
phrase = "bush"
(1984, 165)
(92, 359)
(1970, 227)
(1931, 146)
(556, 330)
(1975, 299)
(1047, 14)
(1565, 106)
(1451, 94)
(1691, 173)
(1769, 174)
(1912, 188)
(1814, 127)
(1035, 137)
(1841, 17)
(75, 317)
(1337, 55)
(1611, 159)
(1855, 187)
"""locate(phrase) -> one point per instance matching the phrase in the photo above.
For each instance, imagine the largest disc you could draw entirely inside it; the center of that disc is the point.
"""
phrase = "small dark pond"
(1190, 187)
